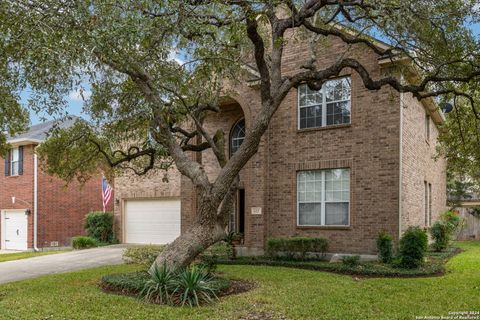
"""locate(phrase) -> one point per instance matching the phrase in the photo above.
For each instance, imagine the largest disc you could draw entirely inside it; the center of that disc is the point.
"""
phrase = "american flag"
(106, 193)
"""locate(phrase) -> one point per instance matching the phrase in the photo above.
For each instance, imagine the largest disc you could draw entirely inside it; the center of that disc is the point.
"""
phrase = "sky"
(75, 100)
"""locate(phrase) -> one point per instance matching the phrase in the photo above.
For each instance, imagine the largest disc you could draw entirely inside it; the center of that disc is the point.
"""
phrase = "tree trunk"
(182, 251)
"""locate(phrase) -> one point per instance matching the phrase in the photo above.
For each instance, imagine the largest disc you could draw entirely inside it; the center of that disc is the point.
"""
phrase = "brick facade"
(382, 147)
(370, 147)
(61, 208)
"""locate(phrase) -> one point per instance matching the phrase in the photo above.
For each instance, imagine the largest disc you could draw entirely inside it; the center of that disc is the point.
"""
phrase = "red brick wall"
(61, 208)
(21, 187)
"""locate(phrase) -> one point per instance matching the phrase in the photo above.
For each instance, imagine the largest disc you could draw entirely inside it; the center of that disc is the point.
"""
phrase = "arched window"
(237, 136)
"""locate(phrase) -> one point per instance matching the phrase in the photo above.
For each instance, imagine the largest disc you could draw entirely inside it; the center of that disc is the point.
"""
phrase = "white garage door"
(15, 226)
(152, 221)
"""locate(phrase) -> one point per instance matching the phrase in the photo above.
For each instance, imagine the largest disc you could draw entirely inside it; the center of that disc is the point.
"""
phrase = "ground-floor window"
(323, 197)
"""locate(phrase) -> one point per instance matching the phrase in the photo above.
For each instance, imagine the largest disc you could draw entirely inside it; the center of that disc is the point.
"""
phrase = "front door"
(15, 226)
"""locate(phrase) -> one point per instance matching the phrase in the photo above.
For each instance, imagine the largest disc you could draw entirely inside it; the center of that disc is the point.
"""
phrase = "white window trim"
(17, 162)
(323, 105)
(324, 201)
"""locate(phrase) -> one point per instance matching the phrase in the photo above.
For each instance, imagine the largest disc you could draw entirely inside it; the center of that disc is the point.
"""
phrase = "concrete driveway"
(61, 262)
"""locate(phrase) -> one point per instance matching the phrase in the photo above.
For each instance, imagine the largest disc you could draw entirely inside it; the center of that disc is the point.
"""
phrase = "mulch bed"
(236, 287)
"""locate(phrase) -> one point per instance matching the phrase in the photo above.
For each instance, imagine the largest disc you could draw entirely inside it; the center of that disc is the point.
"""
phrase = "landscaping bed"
(434, 265)
(132, 284)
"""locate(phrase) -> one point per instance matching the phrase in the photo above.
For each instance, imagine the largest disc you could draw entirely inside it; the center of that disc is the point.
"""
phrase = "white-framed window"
(237, 136)
(328, 106)
(15, 162)
(323, 197)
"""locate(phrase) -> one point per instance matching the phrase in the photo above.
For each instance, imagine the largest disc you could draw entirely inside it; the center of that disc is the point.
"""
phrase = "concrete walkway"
(61, 262)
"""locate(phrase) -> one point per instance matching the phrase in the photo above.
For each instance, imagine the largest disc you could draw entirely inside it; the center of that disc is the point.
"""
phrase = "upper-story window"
(14, 162)
(237, 136)
(427, 127)
(328, 106)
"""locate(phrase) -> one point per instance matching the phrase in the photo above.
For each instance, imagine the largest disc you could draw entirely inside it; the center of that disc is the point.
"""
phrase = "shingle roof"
(39, 132)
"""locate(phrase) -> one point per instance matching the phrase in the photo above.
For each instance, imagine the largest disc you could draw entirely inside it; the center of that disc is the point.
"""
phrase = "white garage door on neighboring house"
(152, 221)
(14, 230)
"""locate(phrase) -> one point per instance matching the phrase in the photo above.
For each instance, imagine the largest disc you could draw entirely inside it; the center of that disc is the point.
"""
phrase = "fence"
(470, 229)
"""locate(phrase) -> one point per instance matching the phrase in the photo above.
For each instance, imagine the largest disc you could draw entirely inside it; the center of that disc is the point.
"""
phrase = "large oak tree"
(147, 110)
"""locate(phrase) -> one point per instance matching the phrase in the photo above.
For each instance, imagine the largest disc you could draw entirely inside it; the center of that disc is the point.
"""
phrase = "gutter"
(35, 202)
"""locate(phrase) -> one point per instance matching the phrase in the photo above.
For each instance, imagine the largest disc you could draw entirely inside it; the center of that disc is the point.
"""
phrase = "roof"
(39, 132)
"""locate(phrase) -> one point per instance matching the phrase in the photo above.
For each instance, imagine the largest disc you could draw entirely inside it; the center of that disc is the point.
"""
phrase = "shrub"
(296, 246)
(81, 242)
(351, 261)
(441, 235)
(143, 255)
(385, 247)
(99, 225)
(452, 221)
(194, 286)
(413, 247)
(161, 284)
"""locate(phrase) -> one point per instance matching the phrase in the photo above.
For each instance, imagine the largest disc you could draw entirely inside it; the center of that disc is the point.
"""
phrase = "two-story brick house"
(38, 210)
(344, 163)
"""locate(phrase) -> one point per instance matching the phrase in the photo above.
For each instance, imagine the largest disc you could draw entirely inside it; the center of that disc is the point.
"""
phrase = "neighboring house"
(343, 163)
(38, 210)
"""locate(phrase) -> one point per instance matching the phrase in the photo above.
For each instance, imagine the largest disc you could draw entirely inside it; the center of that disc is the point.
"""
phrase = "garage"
(151, 221)
(14, 230)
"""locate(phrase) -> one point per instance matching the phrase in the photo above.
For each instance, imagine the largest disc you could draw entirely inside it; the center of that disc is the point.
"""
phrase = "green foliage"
(413, 247)
(435, 265)
(133, 282)
(194, 286)
(159, 287)
(99, 225)
(385, 247)
(452, 220)
(458, 143)
(294, 247)
(475, 212)
(229, 237)
(143, 255)
(351, 261)
(81, 242)
(443, 230)
(441, 235)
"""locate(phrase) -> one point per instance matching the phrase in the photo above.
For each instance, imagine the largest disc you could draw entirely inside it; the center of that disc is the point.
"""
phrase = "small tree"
(413, 247)
(385, 247)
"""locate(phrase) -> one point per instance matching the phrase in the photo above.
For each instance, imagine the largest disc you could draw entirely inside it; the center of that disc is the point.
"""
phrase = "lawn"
(282, 293)
(26, 254)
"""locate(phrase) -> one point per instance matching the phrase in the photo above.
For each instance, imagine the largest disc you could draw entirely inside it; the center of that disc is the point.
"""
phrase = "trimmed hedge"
(434, 267)
(296, 247)
(99, 225)
(82, 242)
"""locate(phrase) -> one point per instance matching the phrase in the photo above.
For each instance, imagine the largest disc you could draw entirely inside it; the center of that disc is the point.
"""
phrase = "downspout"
(35, 202)
(400, 177)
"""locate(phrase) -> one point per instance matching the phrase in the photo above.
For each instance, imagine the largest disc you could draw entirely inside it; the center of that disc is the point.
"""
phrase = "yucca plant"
(160, 286)
(194, 286)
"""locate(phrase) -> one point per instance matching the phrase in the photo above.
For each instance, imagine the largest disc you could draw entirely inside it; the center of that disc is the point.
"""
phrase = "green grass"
(27, 254)
(282, 293)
